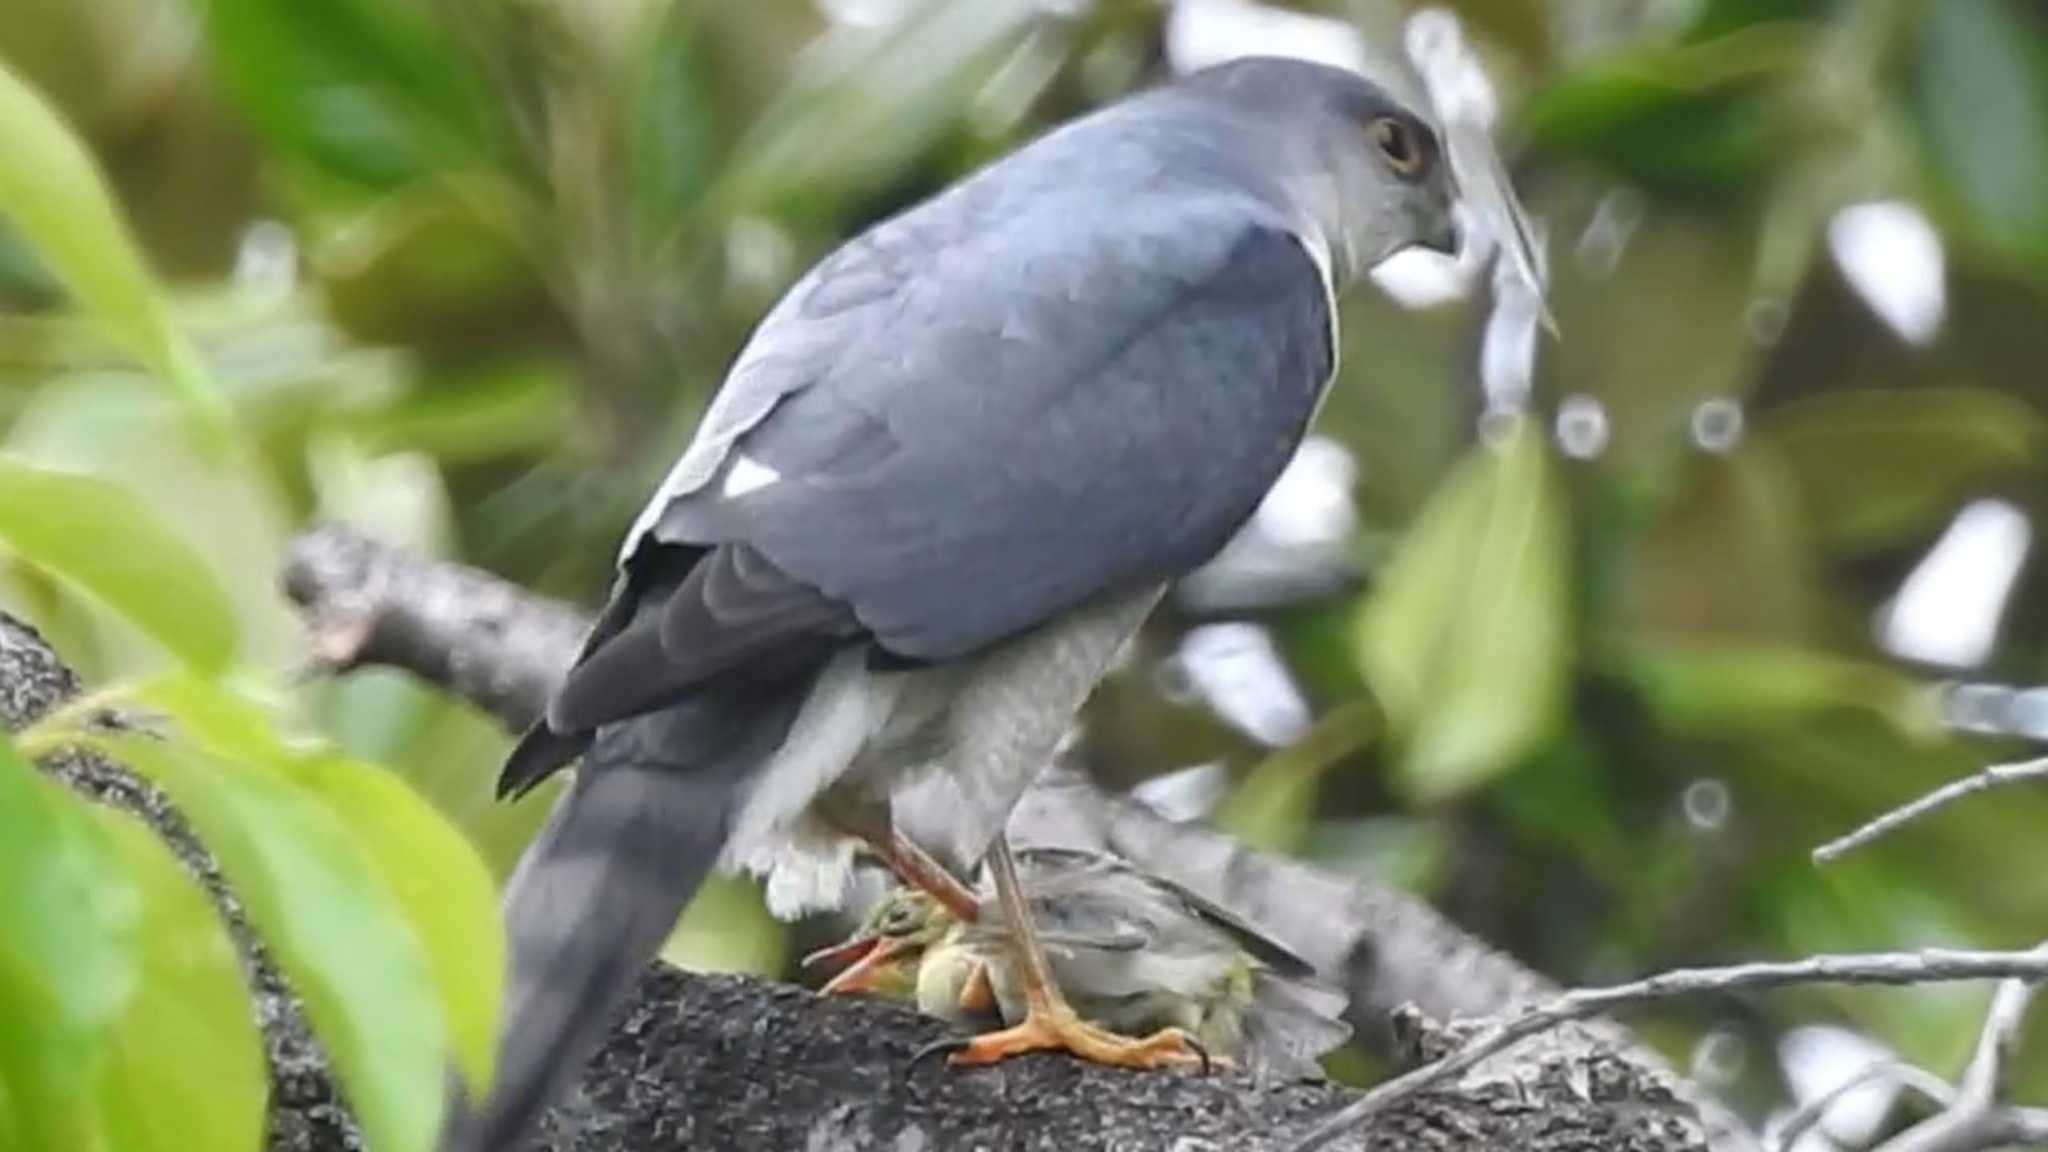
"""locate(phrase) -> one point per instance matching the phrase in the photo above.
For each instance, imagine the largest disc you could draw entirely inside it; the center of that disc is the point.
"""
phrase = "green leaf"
(1273, 808)
(316, 897)
(1725, 690)
(1737, 516)
(1982, 91)
(1466, 640)
(222, 724)
(370, 89)
(441, 887)
(184, 1066)
(443, 890)
(671, 116)
(482, 414)
(68, 920)
(104, 540)
(1682, 119)
(726, 928)
(433, 264)
(1410, 853)
(1719, 17)
(873, 101)
(51, 190)
(1875, 467)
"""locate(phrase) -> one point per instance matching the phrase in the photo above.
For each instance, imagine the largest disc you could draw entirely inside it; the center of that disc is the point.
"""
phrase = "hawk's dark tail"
(625, 848)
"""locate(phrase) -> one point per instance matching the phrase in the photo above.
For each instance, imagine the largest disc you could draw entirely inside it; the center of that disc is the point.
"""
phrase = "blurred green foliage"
(118, 971)
(465, 273)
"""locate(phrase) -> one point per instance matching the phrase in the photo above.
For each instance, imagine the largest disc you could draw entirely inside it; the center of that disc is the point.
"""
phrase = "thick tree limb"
(360, 599)
(472, 634)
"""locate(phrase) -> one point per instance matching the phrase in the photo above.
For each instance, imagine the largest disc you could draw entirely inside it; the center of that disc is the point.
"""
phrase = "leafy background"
(464, 273)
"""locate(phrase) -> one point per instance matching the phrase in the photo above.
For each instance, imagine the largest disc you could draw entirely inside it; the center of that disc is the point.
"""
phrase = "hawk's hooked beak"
(1446, 239)
(868, 958)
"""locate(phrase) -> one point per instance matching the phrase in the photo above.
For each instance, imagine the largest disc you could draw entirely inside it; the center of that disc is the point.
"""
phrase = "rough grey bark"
(1408, 969)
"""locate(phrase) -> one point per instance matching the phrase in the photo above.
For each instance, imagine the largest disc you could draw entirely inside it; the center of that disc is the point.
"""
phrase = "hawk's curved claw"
(1209, 1063)
(947, 1047)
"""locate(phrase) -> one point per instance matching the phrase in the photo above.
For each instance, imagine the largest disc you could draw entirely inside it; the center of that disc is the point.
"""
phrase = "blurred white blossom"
(1892, 256)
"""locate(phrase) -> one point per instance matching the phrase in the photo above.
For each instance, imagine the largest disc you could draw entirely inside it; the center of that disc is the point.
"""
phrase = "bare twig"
(1980, 1117)
(1931, 966)
(2026, 771)
(1985, 1076)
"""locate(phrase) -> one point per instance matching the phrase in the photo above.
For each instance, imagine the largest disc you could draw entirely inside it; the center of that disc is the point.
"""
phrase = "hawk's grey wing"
(1015, 473)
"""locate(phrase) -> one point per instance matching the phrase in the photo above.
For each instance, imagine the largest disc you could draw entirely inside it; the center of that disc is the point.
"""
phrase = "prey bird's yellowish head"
(884, 955)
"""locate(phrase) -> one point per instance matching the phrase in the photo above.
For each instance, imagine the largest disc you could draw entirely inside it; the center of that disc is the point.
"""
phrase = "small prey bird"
(943, 483)
(1133, 952)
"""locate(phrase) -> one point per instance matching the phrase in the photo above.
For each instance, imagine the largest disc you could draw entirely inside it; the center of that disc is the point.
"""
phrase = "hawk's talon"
(946, 1047)
(1209, 1063)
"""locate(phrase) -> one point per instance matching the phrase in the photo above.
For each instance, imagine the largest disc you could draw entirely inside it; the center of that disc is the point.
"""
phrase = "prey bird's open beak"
(871, 957)
(845, 952)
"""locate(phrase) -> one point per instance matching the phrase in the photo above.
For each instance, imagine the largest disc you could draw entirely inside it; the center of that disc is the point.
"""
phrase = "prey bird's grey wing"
(1293, 1017)
(1082, 876)
(1249, 936)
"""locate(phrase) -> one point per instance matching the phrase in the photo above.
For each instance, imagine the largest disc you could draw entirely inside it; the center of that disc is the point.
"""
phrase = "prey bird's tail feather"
(625, 848)
(1293, 1021)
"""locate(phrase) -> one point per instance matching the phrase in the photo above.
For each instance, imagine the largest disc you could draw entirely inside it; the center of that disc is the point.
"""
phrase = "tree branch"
(1980, 1115)
(474, 635)
(2024, 772)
